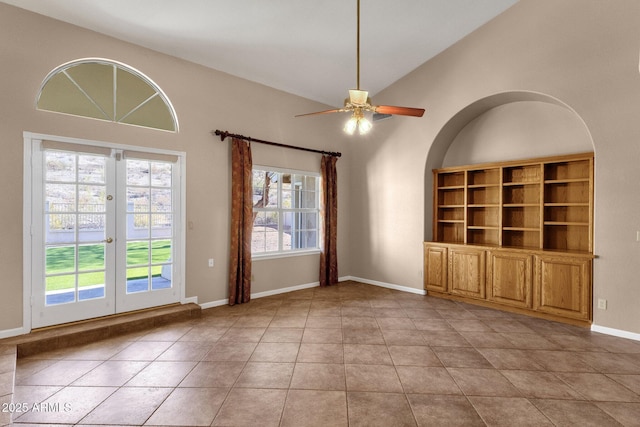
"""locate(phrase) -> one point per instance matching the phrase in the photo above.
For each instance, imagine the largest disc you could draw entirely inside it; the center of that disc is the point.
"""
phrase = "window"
(285, 211)
(107, 90)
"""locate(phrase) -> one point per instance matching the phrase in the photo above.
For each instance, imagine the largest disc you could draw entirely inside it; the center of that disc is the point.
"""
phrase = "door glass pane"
(75, 212)
(60, 289)
(91, 169)
(137, 279)
(149, 225)
(91, 285)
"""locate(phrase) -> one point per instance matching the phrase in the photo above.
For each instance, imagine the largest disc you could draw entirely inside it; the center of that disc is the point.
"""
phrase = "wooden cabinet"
(510, 278)
(435, 268)
(552, 285)
(563, 286)
(467, 271)
(517, 235)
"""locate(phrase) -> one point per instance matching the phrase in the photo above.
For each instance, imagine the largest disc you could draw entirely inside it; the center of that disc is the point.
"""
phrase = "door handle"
(108, 240)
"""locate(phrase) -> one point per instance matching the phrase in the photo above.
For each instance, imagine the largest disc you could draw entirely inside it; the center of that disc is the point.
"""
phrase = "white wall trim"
(388, 285)
(615, 332)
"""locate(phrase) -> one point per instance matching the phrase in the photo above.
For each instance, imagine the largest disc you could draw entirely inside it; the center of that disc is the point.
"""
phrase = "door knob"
(108, 240)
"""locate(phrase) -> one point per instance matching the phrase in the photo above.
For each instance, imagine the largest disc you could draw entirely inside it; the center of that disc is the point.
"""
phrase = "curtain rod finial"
(222, 134)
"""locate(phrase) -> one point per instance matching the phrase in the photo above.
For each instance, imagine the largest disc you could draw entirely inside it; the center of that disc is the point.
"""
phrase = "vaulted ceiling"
(304, 47)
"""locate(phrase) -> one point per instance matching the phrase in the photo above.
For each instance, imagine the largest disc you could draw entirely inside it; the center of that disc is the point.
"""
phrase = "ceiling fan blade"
(337, 110)
(399, 111)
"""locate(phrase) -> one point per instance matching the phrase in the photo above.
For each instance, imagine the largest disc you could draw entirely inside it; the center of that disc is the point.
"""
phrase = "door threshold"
(87, 331)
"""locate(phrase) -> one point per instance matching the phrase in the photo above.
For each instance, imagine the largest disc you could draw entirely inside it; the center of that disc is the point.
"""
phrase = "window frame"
(281, 211)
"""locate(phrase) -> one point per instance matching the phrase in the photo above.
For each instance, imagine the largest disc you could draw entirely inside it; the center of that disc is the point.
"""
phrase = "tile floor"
(351, 354)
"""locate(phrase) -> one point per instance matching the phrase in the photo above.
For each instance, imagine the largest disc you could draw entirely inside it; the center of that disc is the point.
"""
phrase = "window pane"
(160, 200)
(91, 285)
(91, 227)
(138, 172)
(137, 279)
(60, 259)
(265, 232)
(137, 253)
(60, 167)
(60, 289)
(91, 257)
(160, 251)
(161, 174)
(138, 199)
(91, 169)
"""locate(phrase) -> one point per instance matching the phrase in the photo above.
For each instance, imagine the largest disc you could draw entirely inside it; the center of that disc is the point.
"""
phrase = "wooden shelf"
(544, 203)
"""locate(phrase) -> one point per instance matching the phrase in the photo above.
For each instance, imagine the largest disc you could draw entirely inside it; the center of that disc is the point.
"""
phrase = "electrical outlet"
(210, 262)
(602, 304)
(637, 236)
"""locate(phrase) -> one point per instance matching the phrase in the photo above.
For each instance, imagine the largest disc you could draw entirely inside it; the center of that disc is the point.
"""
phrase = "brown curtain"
(241, 222)
(329, 213)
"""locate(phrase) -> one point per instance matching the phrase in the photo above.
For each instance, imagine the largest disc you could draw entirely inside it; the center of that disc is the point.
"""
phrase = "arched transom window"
(107, 90)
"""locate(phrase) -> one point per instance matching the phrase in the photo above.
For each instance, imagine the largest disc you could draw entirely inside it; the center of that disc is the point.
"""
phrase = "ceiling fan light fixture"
(357, 121)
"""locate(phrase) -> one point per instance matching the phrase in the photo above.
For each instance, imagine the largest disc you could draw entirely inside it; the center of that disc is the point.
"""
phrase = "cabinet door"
(563, 286)
(509, 278)
(435, 268)
(467, 272)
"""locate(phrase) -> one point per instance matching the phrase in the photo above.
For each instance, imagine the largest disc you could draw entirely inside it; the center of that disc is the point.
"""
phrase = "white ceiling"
(304, 47)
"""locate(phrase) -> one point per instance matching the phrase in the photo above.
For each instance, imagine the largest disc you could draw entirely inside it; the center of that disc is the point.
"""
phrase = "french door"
(106, 235)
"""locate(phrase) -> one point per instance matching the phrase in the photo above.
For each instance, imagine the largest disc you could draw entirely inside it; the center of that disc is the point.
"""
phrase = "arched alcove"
(505, 126)
(106, 90)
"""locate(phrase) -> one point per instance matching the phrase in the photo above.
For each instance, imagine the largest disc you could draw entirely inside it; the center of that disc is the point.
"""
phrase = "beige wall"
(584, 53)
(31, 46)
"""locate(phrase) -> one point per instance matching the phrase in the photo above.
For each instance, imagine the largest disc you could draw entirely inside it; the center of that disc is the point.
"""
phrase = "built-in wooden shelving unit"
(516, 233)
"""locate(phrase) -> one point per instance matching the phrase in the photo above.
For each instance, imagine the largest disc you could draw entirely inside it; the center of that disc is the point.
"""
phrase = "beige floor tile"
(413, 355)
(315, 357)
(282, 335)
(128, 405)
(322, 336)
(598, 387)
(627, 414)
(444, 410)
(62, 372)
(381, 378)
(372, 354)
(265, 375)
(67, 406)
(483, 382)
(231, 351)
(509, 412)
(424, 379)
(315, 408)
(249, 407)
(189, 406)
(318, 376)
(161, 374)
(114, 373)
(275, 352)
(213, 374)
(574, 413)
(379, 409)
(143, 350)
(321, 353)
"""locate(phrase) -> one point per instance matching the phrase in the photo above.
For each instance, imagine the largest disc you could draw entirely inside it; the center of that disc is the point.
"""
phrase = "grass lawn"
(61, 259)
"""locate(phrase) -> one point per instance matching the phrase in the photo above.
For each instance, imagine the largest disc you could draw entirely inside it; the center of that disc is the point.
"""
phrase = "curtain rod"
(224, 134)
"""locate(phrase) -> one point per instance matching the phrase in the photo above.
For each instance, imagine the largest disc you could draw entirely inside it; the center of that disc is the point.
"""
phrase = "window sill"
(260, 257)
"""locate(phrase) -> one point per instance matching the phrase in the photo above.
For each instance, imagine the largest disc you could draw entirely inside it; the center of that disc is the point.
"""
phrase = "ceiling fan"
(359, 102)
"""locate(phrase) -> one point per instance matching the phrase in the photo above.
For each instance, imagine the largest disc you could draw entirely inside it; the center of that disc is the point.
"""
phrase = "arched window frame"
(117, 65)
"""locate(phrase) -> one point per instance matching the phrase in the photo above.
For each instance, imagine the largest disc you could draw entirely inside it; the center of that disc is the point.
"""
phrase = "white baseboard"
(388, 285)
(257, 295)
(616, 332)
(8, 333)
(190, 300)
